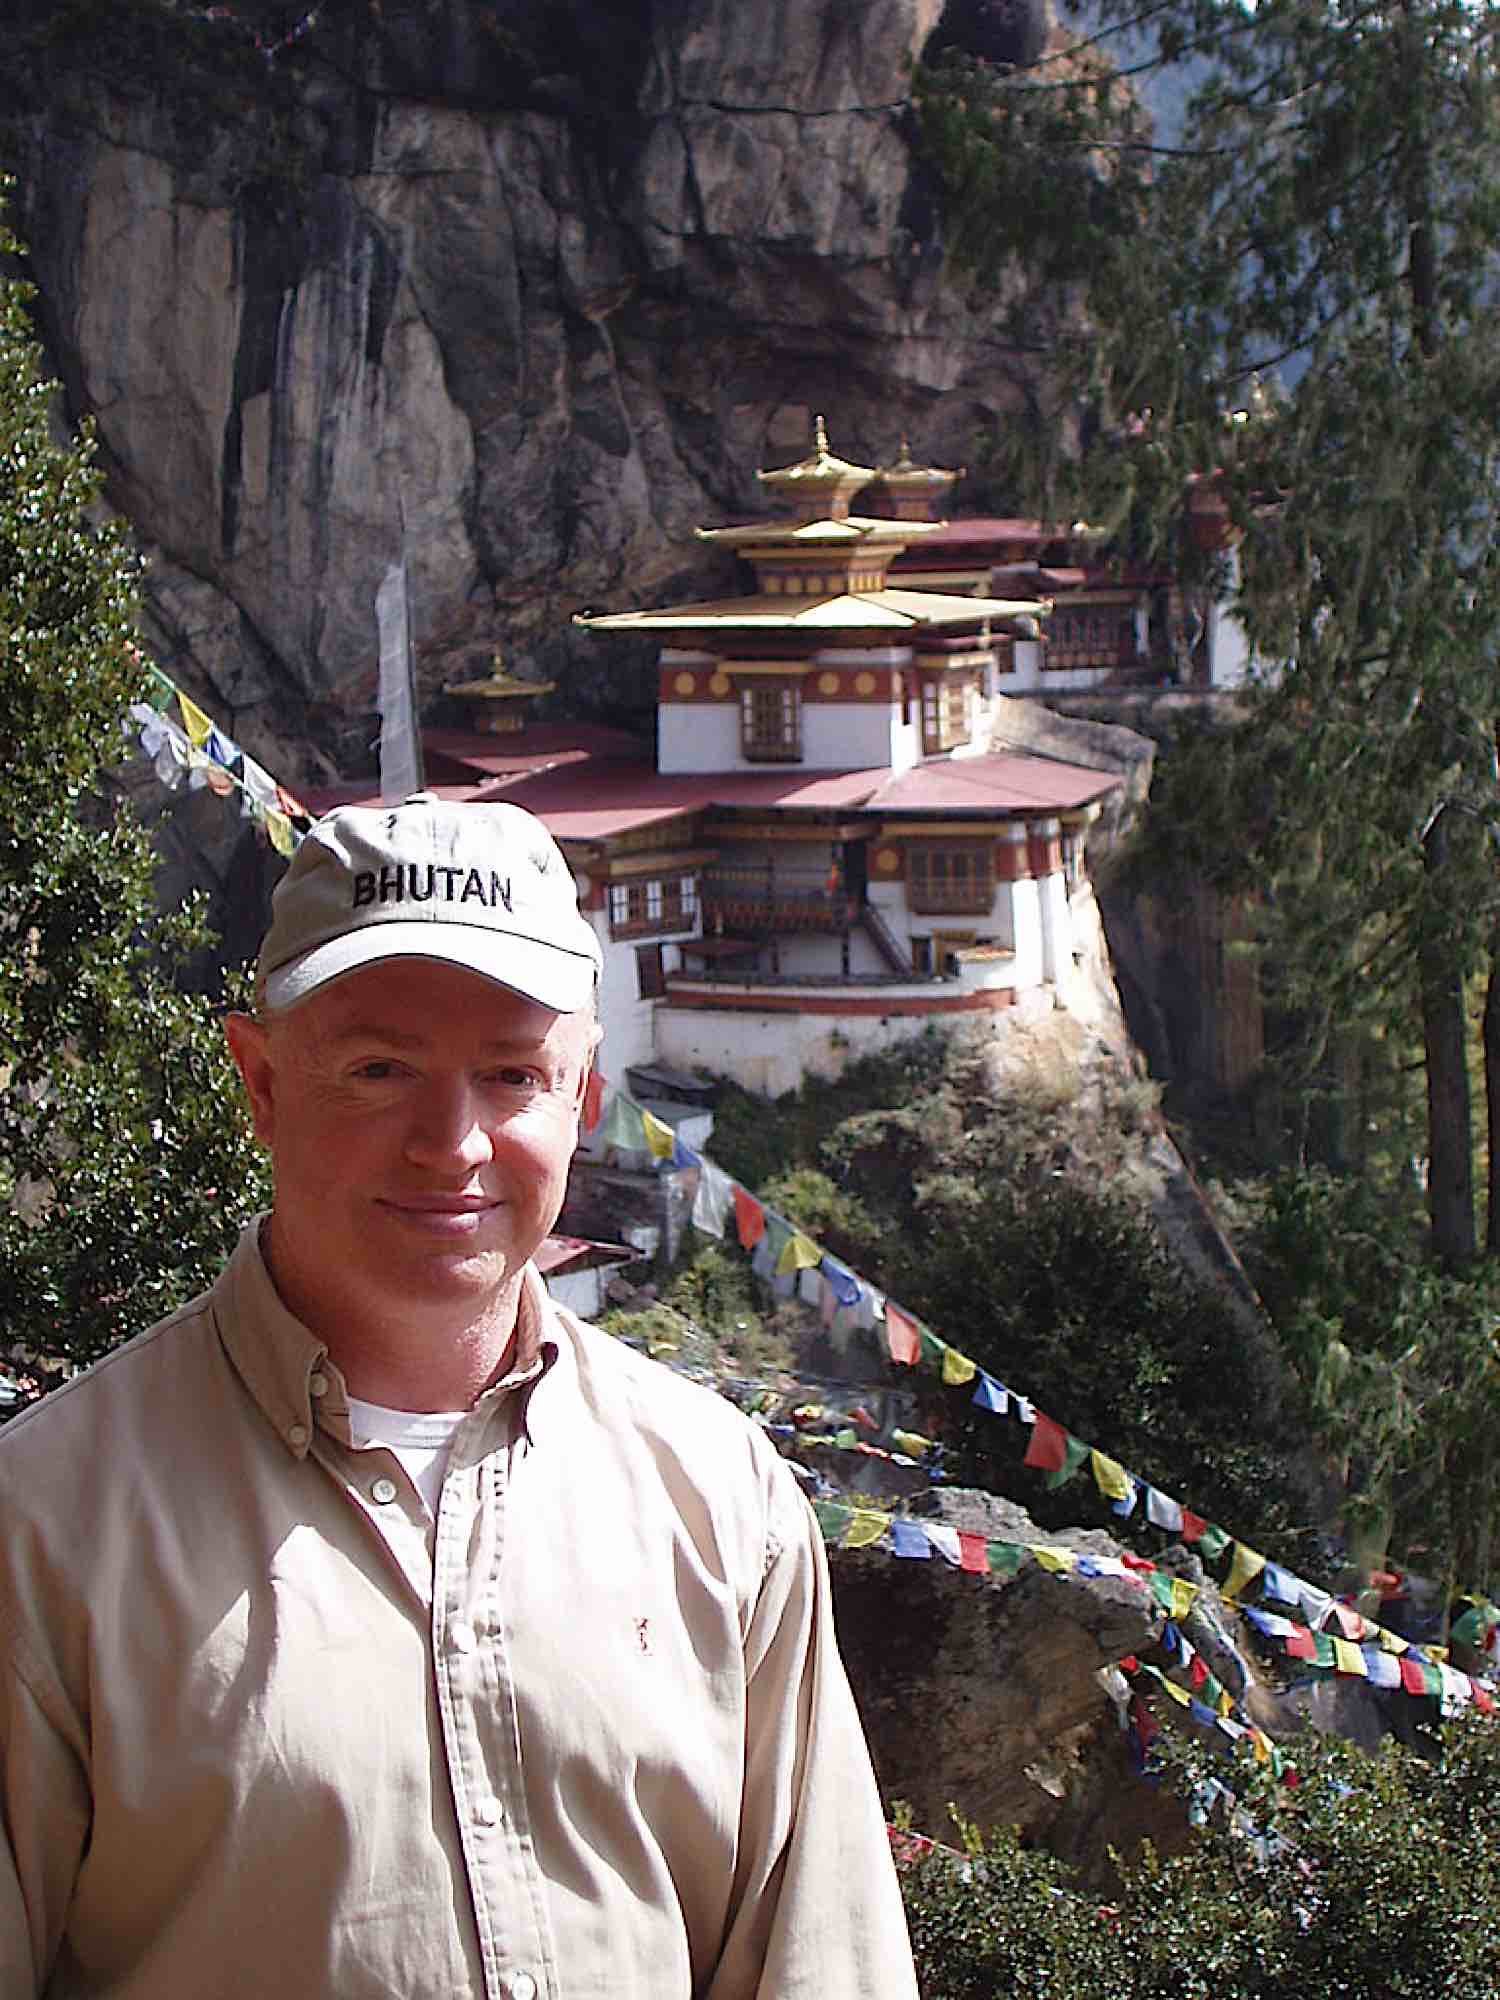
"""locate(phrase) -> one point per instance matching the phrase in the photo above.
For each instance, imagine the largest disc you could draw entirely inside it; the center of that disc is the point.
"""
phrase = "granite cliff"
(548, 281)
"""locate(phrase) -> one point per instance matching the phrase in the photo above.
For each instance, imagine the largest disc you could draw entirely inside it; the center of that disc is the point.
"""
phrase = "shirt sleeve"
(817, 1911)
(44, 1822)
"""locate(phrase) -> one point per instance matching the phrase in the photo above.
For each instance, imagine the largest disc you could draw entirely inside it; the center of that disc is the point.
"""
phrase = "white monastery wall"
(699, 736)
(853, 736)
(771, 1053)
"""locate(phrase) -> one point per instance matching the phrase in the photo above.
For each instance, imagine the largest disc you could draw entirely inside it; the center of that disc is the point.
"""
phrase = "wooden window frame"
(771, 721)
(1095, 637)
(653, 905)
(950, 878)
(947, 712)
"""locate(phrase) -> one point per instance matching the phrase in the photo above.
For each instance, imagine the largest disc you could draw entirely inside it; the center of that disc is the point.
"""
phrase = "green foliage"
(1012, 1214)
(1006, 1921)
(125, 1163)
(1399, 1365)
(1329, 215)
(1374, 1877)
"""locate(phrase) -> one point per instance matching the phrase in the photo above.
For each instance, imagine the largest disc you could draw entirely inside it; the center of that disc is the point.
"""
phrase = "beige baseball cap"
(481, 886)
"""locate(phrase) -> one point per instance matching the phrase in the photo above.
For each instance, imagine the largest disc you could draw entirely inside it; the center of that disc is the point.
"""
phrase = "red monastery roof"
(593, 793)
(593, 804)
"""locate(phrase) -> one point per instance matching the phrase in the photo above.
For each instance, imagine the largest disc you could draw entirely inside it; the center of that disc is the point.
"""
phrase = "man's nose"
(448, 1127)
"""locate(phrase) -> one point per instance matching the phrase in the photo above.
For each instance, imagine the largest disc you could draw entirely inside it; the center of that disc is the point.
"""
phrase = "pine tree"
(125, 1163)
(1291, 302)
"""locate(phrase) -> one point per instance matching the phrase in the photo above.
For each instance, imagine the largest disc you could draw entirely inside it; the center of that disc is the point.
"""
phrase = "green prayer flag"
(1075, 1451)
(832, 1518)
(1006, 1557)
(1212, 1543)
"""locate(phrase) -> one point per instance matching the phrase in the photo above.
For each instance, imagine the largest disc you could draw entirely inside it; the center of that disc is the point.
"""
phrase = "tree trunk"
(1450, 1155)
(1492, 1098)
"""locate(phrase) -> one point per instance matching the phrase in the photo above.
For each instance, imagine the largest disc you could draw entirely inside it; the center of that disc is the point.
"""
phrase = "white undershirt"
(421, 1439)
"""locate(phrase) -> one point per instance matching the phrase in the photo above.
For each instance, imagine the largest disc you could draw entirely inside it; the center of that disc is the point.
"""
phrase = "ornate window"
(653, 904)
(1090, 635)
(771, 722)
(947, 712)
(949, 877)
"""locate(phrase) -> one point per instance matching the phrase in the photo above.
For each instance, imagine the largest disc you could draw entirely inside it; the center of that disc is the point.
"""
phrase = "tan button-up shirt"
(267, 1730)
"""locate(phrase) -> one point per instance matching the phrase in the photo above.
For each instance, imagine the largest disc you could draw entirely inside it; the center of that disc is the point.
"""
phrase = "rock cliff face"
(548, 281)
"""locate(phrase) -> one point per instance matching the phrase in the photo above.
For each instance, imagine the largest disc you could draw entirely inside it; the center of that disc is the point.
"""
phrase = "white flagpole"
(400, 744)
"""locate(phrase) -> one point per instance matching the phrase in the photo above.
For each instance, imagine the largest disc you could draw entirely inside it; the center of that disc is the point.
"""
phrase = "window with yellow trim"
(771, 722)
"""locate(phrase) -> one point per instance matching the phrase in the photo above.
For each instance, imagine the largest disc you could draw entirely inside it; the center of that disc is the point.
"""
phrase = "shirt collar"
(273, 1353)
(276, 1356)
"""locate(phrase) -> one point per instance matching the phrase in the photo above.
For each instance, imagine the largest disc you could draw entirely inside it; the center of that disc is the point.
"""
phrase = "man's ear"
(250, 1046)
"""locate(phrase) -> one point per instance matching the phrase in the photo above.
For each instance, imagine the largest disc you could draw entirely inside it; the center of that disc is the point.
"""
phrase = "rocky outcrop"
(549, 283)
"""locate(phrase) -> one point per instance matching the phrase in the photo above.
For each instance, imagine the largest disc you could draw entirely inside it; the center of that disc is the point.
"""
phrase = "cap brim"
(561, 980)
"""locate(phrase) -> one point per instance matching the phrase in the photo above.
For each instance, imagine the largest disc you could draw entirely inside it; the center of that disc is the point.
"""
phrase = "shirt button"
(317, 1385)
(520, 1986)
(463, 1636)
(489, 1812)
(383, 1490)
(297, 1436)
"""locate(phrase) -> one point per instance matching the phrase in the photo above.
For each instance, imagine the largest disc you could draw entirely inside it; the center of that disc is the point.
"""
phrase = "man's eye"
(515, 1079)
(375, 1071)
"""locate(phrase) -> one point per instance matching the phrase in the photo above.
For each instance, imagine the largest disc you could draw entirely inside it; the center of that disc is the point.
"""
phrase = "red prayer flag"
(1048, 1450)
(902, 1336)
(1130, 1664)
(593, 1101)
(1142, 1563)
(973, 1555)
(1197, 1670)
(1193, 1525)
(1484, 1701)
(750, 1218)
(1301, 1643)
(1412, 1677)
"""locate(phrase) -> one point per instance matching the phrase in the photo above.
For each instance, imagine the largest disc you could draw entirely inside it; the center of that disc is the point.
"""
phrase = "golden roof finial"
(820, 484)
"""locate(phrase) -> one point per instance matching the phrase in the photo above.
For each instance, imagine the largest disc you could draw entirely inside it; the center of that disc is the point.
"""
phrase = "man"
(371, 1627)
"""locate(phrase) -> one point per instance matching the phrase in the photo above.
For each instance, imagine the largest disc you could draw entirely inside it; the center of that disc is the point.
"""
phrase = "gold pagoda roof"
(904, 470)
(499, 686)
(849, 530)
(896, 610)
(820, 482)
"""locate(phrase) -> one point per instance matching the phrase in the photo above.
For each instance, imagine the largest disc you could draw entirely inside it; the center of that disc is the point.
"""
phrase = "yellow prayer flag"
(1184, 1594)
(659, 1137)
(197, 724)
(957, 1368)
(1349, 1659)
(1225, 1703)
(1179, 1694)
(279, 830)
(912, 1443)
(1246, 1565)
(1111, 1478)
(799, 1253)
(865, 1527)
(1391, 1642)
(1260, 1745)
(1061, 1562)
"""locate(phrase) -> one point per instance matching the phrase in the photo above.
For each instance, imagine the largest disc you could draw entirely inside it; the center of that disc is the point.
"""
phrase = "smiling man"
(374, 1628)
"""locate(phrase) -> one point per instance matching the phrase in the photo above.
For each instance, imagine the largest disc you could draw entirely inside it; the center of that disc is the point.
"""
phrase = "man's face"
(420, 1120)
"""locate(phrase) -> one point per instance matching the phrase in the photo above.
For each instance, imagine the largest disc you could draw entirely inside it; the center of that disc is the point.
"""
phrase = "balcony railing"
(750, 979)
(761, 896)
